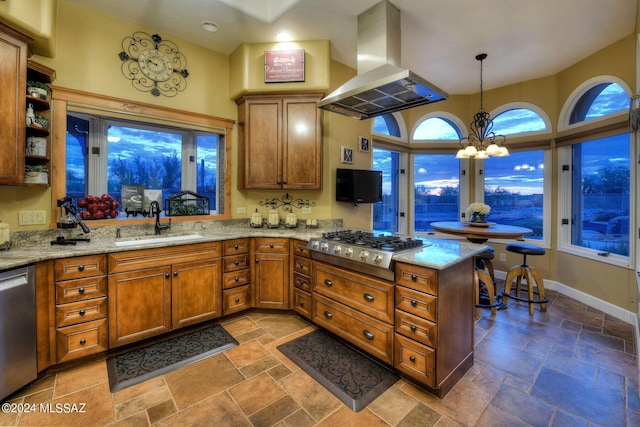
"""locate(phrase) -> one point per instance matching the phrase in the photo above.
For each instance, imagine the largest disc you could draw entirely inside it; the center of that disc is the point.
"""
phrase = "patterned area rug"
(350, 375)
(157, 359)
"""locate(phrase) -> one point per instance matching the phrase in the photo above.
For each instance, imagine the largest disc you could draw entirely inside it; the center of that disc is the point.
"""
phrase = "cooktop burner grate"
(370, 240)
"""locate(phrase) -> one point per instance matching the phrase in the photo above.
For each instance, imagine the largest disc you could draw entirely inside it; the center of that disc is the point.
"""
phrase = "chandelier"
(482, 142)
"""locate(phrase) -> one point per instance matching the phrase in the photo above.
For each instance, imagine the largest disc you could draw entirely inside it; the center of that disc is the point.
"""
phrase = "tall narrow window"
(436, 182)
(600, 187)
(77, 150)
(385, 213)
(514, 188)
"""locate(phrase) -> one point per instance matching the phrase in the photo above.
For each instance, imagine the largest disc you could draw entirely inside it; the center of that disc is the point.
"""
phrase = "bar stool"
(484, 275)
(535, 282)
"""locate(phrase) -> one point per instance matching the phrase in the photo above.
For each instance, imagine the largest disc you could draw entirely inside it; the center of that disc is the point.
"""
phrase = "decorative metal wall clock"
(154, 65)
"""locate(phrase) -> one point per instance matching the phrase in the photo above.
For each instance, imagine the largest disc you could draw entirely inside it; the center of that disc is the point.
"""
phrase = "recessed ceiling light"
(283, 36)
(212, 27)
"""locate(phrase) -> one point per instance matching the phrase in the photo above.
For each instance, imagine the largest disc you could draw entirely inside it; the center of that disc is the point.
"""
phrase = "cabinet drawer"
(371, 335)
(81, 340)
(419, 278)
(81, 289)
(235, 246)
(417, 303)
(159, 257)
(236, 299)
(235, 278)
(77, 267)
(366, 294)
(302, 281)
(80, 312)
(299, 247)
(236, 262)
(264, 244)
(416, 328)
(302, 303)
(416, 360)
(302, 265)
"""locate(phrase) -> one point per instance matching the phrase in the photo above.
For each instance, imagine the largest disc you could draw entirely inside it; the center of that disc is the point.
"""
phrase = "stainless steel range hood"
(382, 86)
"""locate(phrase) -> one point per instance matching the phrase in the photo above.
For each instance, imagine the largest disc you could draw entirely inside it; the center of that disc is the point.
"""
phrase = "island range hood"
(382, 86)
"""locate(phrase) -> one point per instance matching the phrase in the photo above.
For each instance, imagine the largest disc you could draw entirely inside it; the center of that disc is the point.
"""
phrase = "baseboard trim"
(608, 308)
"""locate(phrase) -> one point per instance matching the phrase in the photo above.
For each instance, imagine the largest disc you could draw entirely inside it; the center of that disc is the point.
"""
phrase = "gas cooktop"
(362, 251)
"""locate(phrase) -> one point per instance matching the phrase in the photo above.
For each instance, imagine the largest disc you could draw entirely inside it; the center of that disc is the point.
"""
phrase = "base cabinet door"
(271, 280)
(139, 305)
(196, 292)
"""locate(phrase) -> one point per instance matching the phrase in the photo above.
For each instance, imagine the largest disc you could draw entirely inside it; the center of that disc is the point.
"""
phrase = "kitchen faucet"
(154, 209)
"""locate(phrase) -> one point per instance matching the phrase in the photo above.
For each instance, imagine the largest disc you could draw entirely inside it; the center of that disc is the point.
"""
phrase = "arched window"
(602, 99)
(386, 125)
(518, 120)
(436, 128)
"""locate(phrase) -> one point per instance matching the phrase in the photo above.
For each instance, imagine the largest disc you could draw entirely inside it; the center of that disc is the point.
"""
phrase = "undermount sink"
(147, 240)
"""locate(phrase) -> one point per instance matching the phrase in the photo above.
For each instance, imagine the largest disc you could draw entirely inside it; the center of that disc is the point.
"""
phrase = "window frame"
(565, 207)
(65, 100)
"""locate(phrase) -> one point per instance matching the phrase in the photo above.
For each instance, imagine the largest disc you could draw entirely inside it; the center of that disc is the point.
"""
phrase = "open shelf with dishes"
(37, 156)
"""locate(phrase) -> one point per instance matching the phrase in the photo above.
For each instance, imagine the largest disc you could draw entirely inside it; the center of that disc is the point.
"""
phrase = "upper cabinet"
(280, 142)
(13, 78)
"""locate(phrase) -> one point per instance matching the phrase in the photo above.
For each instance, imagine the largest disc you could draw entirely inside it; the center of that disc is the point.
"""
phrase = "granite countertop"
(32, 247)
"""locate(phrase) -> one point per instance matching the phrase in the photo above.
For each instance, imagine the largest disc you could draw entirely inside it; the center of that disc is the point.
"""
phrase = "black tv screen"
(358, 186)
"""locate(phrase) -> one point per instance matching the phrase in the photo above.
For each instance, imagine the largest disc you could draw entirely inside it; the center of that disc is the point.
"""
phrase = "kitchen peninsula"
(420, 322)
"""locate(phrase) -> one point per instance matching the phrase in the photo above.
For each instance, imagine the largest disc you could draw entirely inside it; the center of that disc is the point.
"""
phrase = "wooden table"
(478, 234)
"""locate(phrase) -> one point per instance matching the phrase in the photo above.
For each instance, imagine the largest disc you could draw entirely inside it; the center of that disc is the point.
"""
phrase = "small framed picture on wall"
(363, 144)
(346, 155)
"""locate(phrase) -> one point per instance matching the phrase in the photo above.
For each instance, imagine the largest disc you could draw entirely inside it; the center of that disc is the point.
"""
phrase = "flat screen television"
(358, 186)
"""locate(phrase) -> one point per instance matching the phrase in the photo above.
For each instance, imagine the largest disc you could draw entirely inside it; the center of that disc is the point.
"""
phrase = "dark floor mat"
(157, 359)
(351, 376)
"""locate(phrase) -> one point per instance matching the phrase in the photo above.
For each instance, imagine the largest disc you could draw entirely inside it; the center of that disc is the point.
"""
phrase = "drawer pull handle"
(237, 279)
(414, 277)
(81, 291)
(167, 275)
(328, 282)
(83, 341)
(301, 282)
(257, 260)
(414, 303)
(368, 335)
(271, 245)
(301, 248)
(301, 303)
(81, 267)
(81, 312)
(301, 265)
(328, 314)
(413, 328)
(235, 246)
(412, 359)
(236, 262)
(368, 297)
(175, 273)
(237, 299)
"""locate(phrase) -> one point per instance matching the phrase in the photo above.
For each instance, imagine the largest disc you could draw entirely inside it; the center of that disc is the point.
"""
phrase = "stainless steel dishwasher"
(18, 357)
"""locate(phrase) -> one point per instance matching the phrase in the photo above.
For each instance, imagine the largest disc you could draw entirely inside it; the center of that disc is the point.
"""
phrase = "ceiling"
(524, 39)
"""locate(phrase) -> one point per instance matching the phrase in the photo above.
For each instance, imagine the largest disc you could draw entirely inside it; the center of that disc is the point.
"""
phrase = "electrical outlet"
(241, 210)
(32, 217)
(306, 210)
(503, 257)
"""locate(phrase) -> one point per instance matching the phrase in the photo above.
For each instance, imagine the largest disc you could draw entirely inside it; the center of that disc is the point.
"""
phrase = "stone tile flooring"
(571, 366)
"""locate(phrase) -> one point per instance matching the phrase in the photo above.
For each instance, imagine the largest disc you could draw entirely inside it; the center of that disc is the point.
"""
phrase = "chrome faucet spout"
(154, 209)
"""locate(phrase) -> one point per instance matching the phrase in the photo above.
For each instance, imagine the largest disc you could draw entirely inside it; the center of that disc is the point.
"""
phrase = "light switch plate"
(306, 210)
(241, 210)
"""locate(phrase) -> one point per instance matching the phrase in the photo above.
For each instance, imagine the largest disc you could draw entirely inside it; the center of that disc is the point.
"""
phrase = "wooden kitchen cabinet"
(434, 317)
(301, 260)
(154, 291)
(13, 80)
(270, 273)
(80, 306)
(236, 276)
(280, 142)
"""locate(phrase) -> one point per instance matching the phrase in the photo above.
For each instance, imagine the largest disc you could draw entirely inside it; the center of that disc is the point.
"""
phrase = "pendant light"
(482, 142)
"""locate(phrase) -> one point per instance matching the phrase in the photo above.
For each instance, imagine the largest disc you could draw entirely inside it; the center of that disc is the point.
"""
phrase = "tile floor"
(573, 366)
